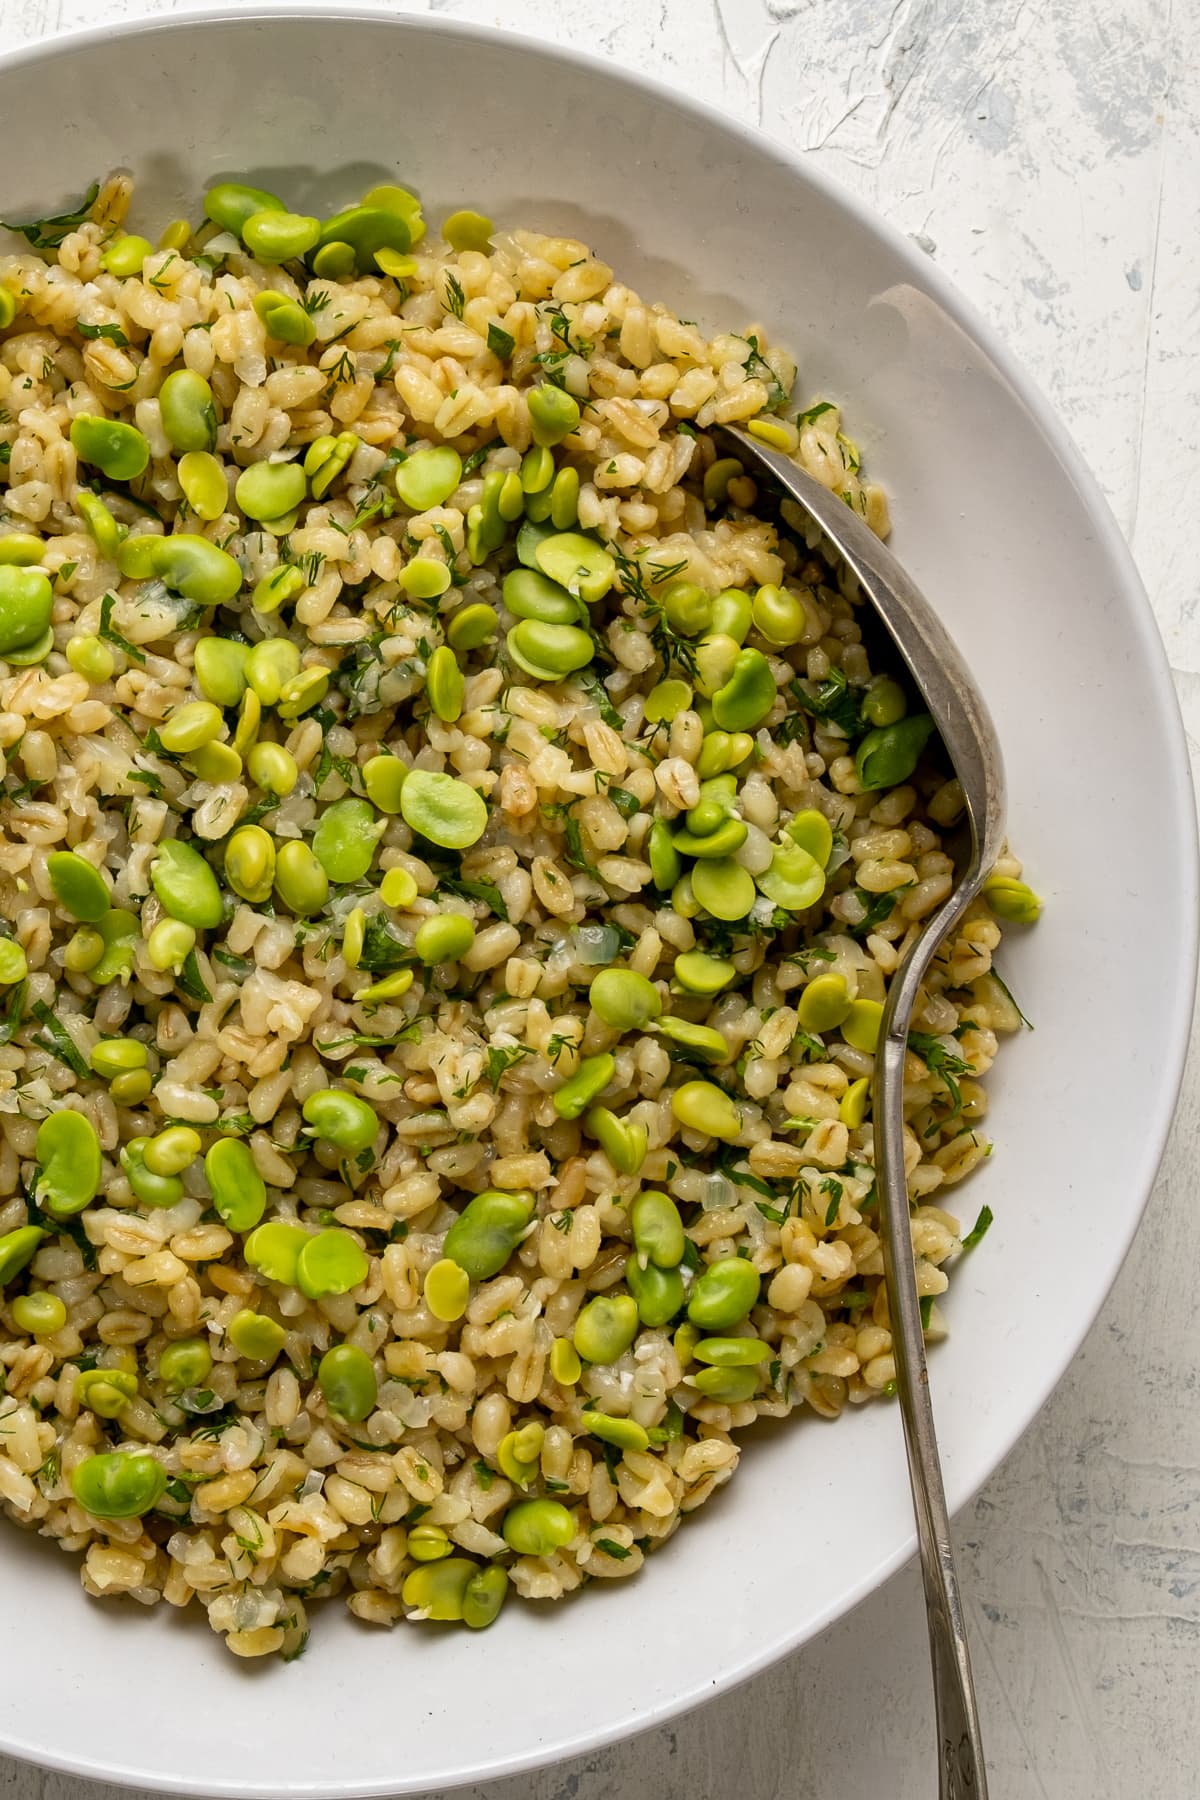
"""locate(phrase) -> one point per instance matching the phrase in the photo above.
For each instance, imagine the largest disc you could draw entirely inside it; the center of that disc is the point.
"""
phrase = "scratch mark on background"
(1083, 1710)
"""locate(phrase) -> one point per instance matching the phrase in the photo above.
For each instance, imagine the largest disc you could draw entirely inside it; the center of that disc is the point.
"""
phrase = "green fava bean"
(724, 1293)
(732, 1352)
(439, 1589)
(333, 261)
(667, 700)
(287, 321)
(17, 1248)
(887, 756)
(346, 1377)
(238, 1191)
(205, 484)
(444, 938)
(553, 414)
(269, 665)
(424, 578)
(186, 885)
(118, 450)
(332, 1262)
(151, 1189)
(119, 931)
(623, 1141)
(698, 973)
(341, 1119)
(701, 1043)
(472, 627)
(447, 1290)
(188, 564)
(278, 237)
(564, 499)
(172, 1151)
(519, 1453)
(40, 1314)
(36, 652)
(824, 1004)
(716, 657)
(328, 456)
(537, 469)
(367, 229)
(721, 751)
(106, 1392)
(812, 831)
(345, 839)
(427, 478)
(606, 1327)
(383, 778)
(1012, 900)
(269, 491)
(190, 726)
(256, 1336)
(14, 964)
(862, 1025)
(659, 1293)
(549, 652)
(728, 1385)
(884, 702)
(21, 548)
(578, 563)
(185, 1364)
(70, 1165)
(284, 583)
(779, 616)
(300, 881)
(483, 1597)
(687, 607)
(91, 656)
(658, 1232)
(528, 594)
(732, 614)
(273, 768)
(220, 669)
(106, 533)
(170, 944)
(274, 1250)
(445, 684)
(723, 888)
(121, 1484)
(626, 1434)
(749, 694)
(84, 950)
(126, 256)
(538, 1527)
(624, 999)
(189, 416)
(487, 1231)
(78, 886)
(666, 864)
(795, 880)
(723, 842)
(443, 809)
(26, 603)
(230, 203)
(466, 230)
(585, 1085)
(704, 1107)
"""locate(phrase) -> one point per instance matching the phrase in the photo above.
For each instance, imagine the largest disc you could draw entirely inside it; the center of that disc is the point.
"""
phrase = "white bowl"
(1001, 524)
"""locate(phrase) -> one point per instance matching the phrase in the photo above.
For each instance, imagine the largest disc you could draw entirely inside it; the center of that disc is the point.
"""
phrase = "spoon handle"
(961, 1771)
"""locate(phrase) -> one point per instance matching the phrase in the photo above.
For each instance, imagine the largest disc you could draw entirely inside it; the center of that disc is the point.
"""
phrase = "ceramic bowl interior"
(1003, 528)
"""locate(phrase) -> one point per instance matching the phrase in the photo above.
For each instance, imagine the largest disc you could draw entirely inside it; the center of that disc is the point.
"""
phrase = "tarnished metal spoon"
(957, 708)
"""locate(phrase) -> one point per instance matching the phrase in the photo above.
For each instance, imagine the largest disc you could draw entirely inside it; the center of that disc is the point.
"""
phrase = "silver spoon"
(958, 710)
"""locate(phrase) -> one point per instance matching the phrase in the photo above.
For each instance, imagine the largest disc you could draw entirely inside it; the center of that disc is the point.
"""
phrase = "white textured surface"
(1048, 157)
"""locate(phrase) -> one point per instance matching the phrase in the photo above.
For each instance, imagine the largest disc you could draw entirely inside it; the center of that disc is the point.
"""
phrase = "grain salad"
(453, 849)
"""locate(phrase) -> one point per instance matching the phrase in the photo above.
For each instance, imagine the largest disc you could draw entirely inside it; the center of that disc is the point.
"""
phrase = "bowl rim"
(1178, 797)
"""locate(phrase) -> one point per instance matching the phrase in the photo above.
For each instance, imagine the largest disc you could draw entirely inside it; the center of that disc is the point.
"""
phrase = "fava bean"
(565, 1365)
(191, 725)
(151, 1189)
(238, 1191)
(472, 627)
(732, 1352)
(274, 1250)
(186, 885)
(732, 614)
(345, 839)
(424, 578)
(83, 951)
(862, 1024)
(427, 478)
(887, 756)
(106, 1392)
(126, 256)
(447, 811)
(300, 881)
(884, 702)
(724, 1293)
(131, 1088)
(626, 1434)
(623, 1141)
(189, 415)
(723, 888)
(485, 1594)
(327, 457)
(578, 563)
(70, 1164)
(528, 594)
(78, 886)
(824, 1004)
(269, 665)
(120, 931)
(779, 615)
(346, 1376)
(625, 1000)
(549, 652)
(332, 1262)
(230, 203)
(701, 1043)
(256, 1336)
(114, 1056)
(14, 964)
(17, 1248)
(398, 889)
(585, 1085)
(120, 1484)
(269, 492)
(538, 1527)
(553, 414)
(91, 657)
(106, 533)
(852, 1107)
(722, 751)
(341, 1119)
(40, 1314)
(170, 944)
(189, 565)
(688, 609)
(185, 1364)
(273, 768)
(445, 684)
(1012, 900)
(795, 880)
(118, 450)
(285, 320)
(519, 1453)
(367, 230)
(698, 973)
(487, 1231)
(606, 1327)
(447, 1290)
(278, 237)
(666, 701)
(205, 484)
(811, 831)
(439, 1590)
(26, 603)
(444, 938)
(659, 1292)
(704, 1107)
(722, 842)
(746, 698)
(657, 1229)
(729, 1385)
(666, 864)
